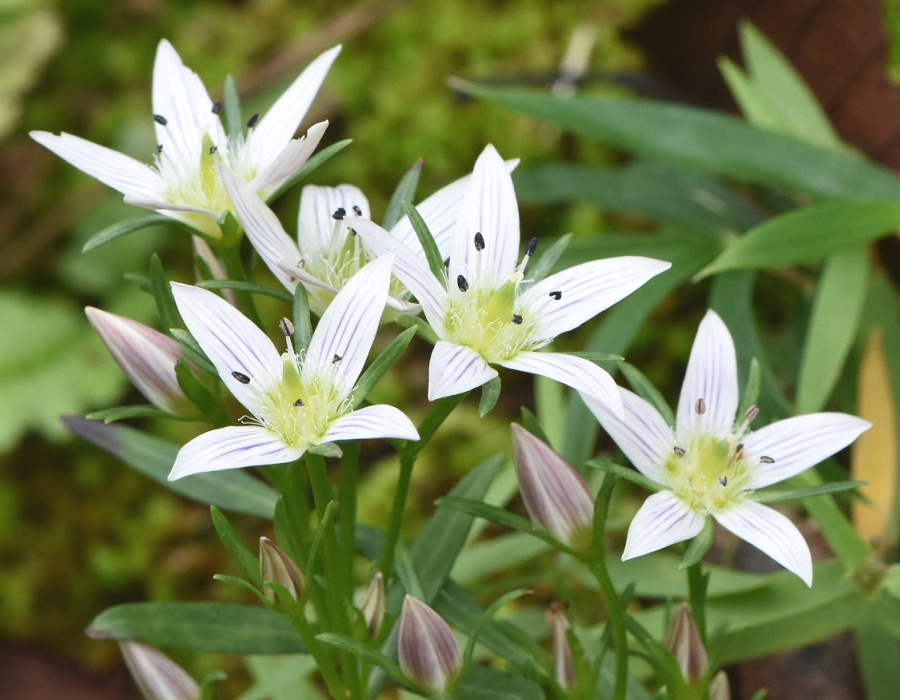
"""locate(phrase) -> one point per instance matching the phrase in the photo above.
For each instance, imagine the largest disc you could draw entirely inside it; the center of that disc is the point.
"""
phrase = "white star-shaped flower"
(183, 181)
(711, 464)
(296, 401)
(485, 311)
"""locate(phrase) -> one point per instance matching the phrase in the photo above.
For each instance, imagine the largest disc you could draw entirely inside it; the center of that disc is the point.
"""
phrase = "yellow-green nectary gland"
(299, 411)
(489, 321)
(711, 475)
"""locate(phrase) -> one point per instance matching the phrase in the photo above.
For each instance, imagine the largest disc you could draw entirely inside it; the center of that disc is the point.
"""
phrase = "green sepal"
(242, 554)
(200, 396)
(234, 122)
(326, 449)
(192, 351)
(698, 546)
(162, 293)
(375, 371)
(309, 166)
(405, 192)
(490, 392)
(432, 254)
(302, 323)
(421, 326)
(751, 391)
(231, 231)
(123, 228)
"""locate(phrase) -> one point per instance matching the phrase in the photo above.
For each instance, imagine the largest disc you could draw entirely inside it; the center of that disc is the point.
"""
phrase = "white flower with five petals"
(296, 400)
(183, 182)
(484, 311)
(711, 464)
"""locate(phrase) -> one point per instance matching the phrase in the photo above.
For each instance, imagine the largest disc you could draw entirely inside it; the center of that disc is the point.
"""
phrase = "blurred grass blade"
(874, 454)
(833, 325)
(231, 490)
(123, 228)
(754, 105)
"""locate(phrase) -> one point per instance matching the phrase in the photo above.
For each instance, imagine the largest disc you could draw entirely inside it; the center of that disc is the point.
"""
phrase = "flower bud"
(156, 675)
(373, 605)
(278, 567)
(429, 653)
(683, 640)
(563, 661)
(145, 355)
(719, 688)
(555, 495)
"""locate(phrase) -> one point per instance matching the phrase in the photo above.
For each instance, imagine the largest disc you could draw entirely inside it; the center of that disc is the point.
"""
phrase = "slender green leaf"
(421, 326)
(645, 389)
(380, 365)
(750, 98)
(596, 357)
(751, 388)
(111, 415)
(490, 392)
(234, 122)
(544, 262)
(241, 583)
(698, 546)
(162, 292)
(432, 254)
(242, 286)
(405, 192)
(232, 541)
(780, 495)
(486, 511)
(482, 683)
(232, 490)
(319, 533)
(808, 235)
(302, 323)
(488, 615)
(631, 475)
(309, 166)
(200, 396)
(406, 572)
(216, 627)
(123, 228)
(192, 351)
(877, 652)
(365, 653)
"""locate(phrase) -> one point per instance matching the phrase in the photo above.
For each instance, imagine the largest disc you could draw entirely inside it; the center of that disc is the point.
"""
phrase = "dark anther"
(556, 295)
(213, 149)
(531, 247)
(357, 210)
(298, 403)
(479, 242)
(351, 231)
(517, 319)
(336, 359)
(251, 122)
(700, 407)
(339, 213)
(723, 480)
(679, 452)
(287, 328)
(766, 460)
(752, 413)
(159, 148)
(462, 283)
(217, 107)
(242, 378)
(160, 119)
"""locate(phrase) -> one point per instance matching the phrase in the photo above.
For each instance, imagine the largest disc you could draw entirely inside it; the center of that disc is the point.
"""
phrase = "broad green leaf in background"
(281, 678)
(482, 683)
(232, 490)
(833, 324)
(219, 627)
(877, 652)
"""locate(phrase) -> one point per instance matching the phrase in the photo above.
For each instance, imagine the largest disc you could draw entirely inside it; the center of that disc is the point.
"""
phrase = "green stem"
(697, 581)
(348, 481)
(231, 258)
(323, 660)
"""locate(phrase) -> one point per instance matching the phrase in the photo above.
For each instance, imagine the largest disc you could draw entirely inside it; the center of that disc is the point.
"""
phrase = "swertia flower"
(711, 464)
(297, 401)
(183, 182)
(485, 311)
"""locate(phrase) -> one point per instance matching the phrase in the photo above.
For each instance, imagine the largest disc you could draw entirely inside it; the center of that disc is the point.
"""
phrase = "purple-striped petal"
(664, 519)
(488, 208)
(770, 531)
(344, 336)
(317, 228)
(454, 369)
(380, 421)
(641, 433)
(245, 358)
(272, 133)
(156, 675)
(709, 395)
(577, 372)
(114, 169)
(294, 154)
(569, 298)
(231, 448)
(790, 446)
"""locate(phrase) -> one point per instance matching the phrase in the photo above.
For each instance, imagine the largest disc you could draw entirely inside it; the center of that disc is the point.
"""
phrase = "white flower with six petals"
(711, 465)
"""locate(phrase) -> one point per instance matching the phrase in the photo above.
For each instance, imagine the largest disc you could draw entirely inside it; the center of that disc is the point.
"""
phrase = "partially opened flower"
(485, 311)
(296, 401)
(712, 463)
(183, 181)
(326, 252)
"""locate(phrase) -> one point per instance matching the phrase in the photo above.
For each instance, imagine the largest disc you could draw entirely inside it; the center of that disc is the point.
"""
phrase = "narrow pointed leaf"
(404, 193)
(242, 286)
(490, 392)
(302, 323)
(544, 263)
(432, 254)
(375, 371)
(162, 292)
(309, 166)
(232, 541)
(779, 495)
(123, 228)
(631, 475)
(643, 388)
(210, 409)
(192, 351)
(486, 617)
(365, 653)
(111, 415)
(233, 119)
(699, 546)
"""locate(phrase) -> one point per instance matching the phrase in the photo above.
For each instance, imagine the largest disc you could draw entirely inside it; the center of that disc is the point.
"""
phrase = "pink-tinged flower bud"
(429, 653)
(683, 640)
(278, 567)
(145, 355)
(156, 675)
(557, 498)
(373, 605)
(563, 661)
(719, 688)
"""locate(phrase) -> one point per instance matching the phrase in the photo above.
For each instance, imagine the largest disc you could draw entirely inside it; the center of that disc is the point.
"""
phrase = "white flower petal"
(344, 336)
(277, 127)
(641, 433)
(771, 532)
(489, 207)
(378, 421)
(276, 248)
(288, 161)
(580, 374)
(587, 289)
(709, 395)
(121, 172)
(317, 229)
(180, 98)
(232, 342)
(796, 444)
(231, 448)
(454, 369)
(664, 519)
(439, 212)
(410, 269)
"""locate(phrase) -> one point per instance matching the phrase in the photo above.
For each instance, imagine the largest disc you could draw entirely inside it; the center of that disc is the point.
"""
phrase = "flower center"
(709, 474)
